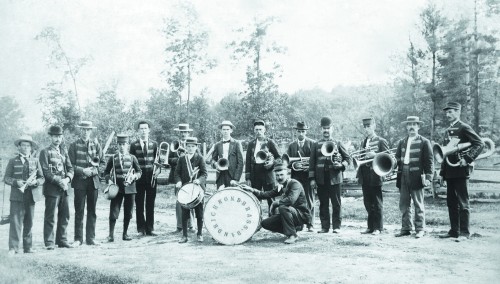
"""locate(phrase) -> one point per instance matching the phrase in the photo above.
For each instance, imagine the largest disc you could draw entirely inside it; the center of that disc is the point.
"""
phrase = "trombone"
(177, 148)
(161, 160)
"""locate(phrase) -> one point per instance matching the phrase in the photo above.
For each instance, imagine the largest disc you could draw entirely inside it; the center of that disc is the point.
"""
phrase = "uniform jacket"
(56, 166)
(122, 167)
(319, 163)
(292, 195)
(80, 156)
(173, 160)
(16, 170)
(235, 158)
(465, 133)
(305, 152)
(421, 160)
(268, 175)
(365, 173)
(145, 160)
(182, 173)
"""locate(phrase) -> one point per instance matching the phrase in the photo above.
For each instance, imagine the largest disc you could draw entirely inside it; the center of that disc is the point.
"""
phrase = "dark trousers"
(372, 198)
(285, 222)
(186, 213)
(88, 194)
(51, 204)
(458, 206)
(223, 179)
(178, 214)
(257, 178)
(145, 191)
(327, 193)
(21, 217)
(309, 192)
(116, 204)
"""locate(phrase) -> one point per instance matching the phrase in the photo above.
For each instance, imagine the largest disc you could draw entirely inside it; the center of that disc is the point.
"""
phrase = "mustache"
(412, 128)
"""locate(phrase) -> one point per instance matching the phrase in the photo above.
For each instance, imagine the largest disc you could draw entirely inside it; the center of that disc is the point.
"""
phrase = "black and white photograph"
(250, 141)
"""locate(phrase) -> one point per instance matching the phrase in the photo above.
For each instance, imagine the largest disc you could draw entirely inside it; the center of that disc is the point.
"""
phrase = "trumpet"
(360, 157)
(130, 177)
(222, 164)
(384, 162)
(30, 179)
(442, 153)
(177, 148)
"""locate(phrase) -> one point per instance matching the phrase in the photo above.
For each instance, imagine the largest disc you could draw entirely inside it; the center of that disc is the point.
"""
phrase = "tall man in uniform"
(58, 173)
(457, 178)
(371, 183)
(261, 175)
(415, 171)
(292, 207)
(231, 150)
(86, 182)
(24, 175)
(173, 159)
(302, 148)
(326, 173)
(144, 149)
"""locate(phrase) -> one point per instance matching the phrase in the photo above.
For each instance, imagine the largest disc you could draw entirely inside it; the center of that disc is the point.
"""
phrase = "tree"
(11, 125)
(59, 58)
(59, 107)
(261, 98)
(186, 51)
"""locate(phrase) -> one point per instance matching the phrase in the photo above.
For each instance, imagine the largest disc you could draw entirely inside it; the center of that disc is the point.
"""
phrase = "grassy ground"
(316, 258)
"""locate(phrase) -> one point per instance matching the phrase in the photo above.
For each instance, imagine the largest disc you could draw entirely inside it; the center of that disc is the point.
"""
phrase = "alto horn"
(223, 164)
(261, 157)
(177, 148)
(384, 162)
(442, 153)
(329, 149)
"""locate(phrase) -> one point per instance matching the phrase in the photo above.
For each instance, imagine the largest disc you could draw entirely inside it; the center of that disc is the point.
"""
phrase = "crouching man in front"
(292, 209)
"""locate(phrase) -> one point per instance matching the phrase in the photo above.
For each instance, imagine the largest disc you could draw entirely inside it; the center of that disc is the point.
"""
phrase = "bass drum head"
(232, 216)
(189, 195)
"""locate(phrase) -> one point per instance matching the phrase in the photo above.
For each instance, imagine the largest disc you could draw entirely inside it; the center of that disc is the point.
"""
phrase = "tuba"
(442, 153)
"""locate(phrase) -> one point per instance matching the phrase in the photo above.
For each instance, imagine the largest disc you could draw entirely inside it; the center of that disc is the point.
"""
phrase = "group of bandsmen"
(133, 169)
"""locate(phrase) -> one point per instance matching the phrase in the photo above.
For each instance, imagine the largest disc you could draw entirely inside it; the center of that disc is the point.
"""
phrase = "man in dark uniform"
(261, 175)
(293, 211)
(371, 183)
(24, 175)
(58, 173)
(231, 150)
(122, 164)
(326, 173)
(300, 172)
(457, 177)
(144, 149)
(173, 159)
(85, 155)
(415, 170)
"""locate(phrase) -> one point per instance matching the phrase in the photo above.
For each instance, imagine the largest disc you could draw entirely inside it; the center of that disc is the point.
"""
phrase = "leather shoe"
(92, 243)
(183, 240)
(367, 231)
(12, 252)
(419, 234)
(30, 250)
(402, 234)
(76, 243)
(291, 240)
(64, 245)
(376, 232)
(126, 237)
(336, 231)
(322, 231)
(110, 239)
(461, 239)
(49, 247)
(152, 234)
(199, 238)
(178, 230)
(447, 235)
(310, 228)
(142, 233)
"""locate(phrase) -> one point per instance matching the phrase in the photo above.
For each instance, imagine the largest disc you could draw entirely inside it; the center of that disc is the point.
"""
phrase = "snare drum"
(232, 216)
(190, 195)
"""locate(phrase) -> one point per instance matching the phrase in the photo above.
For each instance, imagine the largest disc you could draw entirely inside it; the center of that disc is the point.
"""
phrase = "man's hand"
(33, 183)
(269, 163)
(248, 188)
(442, 181)
(337, 166)
(312, 183)
(249, 182)
(463, 162)
(178, 185)
(274, 205)
(87, 172)
(233, 183)
(157, 172)
(427, 183)
(196, 181)
(20, 183)
(110, 181)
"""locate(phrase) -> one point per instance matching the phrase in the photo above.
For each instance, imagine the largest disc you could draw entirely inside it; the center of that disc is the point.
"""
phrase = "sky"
(329, 43)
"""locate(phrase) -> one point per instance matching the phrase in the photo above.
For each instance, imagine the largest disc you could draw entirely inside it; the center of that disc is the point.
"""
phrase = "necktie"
(301, 143)
(145, 148)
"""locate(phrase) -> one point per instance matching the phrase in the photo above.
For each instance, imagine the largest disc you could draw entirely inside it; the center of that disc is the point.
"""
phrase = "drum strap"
(192, 172)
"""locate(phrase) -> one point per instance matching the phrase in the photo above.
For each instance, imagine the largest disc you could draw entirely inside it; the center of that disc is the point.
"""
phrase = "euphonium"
(177, 148)
(443, 152)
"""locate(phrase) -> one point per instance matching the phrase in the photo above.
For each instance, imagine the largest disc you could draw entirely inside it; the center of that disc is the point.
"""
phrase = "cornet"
(441, 153)
(30, 179)
(130, 177)
(177, 148)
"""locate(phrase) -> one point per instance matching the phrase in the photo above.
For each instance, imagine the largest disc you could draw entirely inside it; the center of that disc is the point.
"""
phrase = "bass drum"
(232, 216)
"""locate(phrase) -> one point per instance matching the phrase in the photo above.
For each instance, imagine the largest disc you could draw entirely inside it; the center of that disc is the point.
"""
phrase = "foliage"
(58, 107)
(11, 126)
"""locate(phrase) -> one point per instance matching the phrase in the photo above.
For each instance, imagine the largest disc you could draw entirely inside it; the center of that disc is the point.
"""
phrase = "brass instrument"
(261, 157)
(130, 177)
(384, 162)
(330, 149)
(161, 160)
(95, 161)
(360, 157)
(30, 179)
(177, 148)
(222, 164)
(298, 163)
(442, 153)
